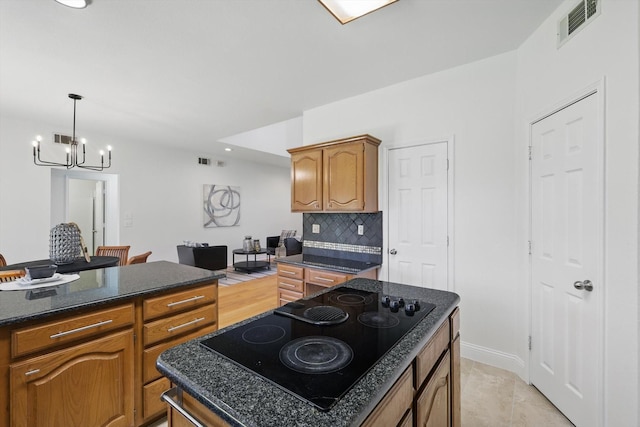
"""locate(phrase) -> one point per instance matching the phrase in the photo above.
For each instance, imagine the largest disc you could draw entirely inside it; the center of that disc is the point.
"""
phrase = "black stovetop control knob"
(410, 309)
(416, 304)
(395, 305)
(386, 300)
(401, 301)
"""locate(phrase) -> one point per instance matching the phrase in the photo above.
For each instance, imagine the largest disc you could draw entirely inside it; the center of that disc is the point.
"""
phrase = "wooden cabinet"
(317, 280)
(86, 384)
(335, 176)
(306, 181)
(97, 366)
(433, 405)
(171, 319)
(194, 409)
(290, 283)
(395, 407)
(296, 282)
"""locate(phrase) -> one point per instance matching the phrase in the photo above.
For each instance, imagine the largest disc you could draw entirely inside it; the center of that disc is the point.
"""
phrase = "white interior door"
(566, 257)
(417, 211)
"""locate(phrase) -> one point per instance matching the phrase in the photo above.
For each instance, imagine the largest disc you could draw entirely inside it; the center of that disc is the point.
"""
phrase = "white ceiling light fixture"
(76, 4)
(347, 10)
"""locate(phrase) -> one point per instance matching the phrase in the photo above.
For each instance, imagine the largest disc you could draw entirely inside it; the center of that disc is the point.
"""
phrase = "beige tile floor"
(494, 397)
(498, 398)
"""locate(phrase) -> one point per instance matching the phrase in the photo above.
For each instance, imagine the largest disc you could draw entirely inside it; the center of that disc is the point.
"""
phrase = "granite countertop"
(96, 287)
(328, 263)
(242, 398)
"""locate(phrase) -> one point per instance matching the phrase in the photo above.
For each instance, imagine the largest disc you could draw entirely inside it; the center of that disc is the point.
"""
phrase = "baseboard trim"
(498, 359)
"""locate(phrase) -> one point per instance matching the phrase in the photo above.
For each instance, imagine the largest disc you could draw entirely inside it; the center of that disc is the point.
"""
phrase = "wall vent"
(204, 161)
(579, 16)
(58, 138)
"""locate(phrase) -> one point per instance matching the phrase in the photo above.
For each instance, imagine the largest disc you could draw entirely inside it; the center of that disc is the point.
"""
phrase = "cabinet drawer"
(291, 284)
(178, 324)
(151, 397)
(288, 296)
(179, 301)
(290, 271)
(150, 355)
(429, 355)
(391, 410)
(324, 278)
(34, 338)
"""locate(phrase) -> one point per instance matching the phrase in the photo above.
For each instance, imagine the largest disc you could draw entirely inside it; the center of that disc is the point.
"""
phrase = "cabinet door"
(196, 409)
(344, 177)
(306, 181)
(433, 405)
(90, 384)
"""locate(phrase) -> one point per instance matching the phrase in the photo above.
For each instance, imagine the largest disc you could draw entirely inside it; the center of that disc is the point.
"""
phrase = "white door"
(418, 206)
(566, 258)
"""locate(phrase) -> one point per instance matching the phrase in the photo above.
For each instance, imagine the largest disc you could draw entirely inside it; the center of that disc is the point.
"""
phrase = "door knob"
(586, 285)
(393, 252)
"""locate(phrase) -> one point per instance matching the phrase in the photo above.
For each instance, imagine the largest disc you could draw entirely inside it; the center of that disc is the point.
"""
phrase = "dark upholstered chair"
(272, 244)
(293, 246)
(207, 257)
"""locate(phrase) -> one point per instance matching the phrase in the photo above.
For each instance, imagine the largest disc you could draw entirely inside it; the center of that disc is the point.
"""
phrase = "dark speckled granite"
(244, 399)
(340, 265)
(96, 287)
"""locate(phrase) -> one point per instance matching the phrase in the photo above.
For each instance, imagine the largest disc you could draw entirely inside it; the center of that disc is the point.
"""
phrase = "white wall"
(487, 107)
(474, 103)
(160, 188)
(606, 48)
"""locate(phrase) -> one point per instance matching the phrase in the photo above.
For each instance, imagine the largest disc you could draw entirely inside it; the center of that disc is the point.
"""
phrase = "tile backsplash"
(338, 235)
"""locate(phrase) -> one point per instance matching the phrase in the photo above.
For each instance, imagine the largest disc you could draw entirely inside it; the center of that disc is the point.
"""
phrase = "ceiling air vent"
(581, 14)
(204, 161)
(58, 138)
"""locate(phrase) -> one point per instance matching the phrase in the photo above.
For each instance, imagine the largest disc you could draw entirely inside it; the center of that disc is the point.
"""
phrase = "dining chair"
(139, 259)
(3, 262)
(121, 252)
(11, 275)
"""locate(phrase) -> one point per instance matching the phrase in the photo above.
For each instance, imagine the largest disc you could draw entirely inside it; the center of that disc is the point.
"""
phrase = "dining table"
(80, 264)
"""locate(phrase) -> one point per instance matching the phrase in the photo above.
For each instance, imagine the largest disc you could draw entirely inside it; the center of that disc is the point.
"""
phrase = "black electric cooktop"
(317, 349)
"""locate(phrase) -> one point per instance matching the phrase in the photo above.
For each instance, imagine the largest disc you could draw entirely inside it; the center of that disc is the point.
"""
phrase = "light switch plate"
(315, 228)
(360, 230)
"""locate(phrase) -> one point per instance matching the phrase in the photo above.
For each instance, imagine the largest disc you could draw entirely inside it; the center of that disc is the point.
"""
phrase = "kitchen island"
(422, 368)
(78, 337)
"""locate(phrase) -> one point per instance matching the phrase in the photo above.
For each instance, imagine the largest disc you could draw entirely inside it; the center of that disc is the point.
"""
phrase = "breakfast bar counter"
(237, 396)
(84, 352)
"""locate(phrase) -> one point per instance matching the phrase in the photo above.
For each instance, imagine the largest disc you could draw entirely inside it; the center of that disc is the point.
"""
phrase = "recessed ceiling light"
(227, 149)
(348, 10)
(76, 4)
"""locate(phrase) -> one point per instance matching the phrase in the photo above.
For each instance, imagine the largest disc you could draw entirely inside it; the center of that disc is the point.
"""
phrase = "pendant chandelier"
(73, 159)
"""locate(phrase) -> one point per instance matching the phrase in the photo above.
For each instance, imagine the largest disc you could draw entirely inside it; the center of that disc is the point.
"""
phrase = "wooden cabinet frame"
(335, 176)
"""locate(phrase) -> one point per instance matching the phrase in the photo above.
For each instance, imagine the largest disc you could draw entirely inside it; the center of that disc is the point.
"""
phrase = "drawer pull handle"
(83, 328)
(32, 372)
(291, 285)
(293, 273)
(169, 395)
(196, 298)
(173, 328)
(324, 279)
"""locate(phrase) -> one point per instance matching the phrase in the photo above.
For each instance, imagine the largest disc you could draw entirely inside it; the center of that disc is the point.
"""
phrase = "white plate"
(26, 282)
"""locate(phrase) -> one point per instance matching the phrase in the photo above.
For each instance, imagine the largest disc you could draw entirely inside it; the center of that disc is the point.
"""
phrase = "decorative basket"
(64, 243)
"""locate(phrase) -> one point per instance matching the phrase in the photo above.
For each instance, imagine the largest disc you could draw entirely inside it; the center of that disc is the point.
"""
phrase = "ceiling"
(191, 72)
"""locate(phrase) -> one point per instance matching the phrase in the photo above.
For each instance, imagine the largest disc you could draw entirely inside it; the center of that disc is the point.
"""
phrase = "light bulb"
(102, 152)
(35, 143)
(68, 150)
(38, 138)
(83, 140)
(109, 147)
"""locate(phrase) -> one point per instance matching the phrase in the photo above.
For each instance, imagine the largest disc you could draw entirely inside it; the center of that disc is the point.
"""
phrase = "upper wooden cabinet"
(335, 176)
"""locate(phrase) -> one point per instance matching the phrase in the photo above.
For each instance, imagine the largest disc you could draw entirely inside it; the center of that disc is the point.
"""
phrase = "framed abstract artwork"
(221, 205)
